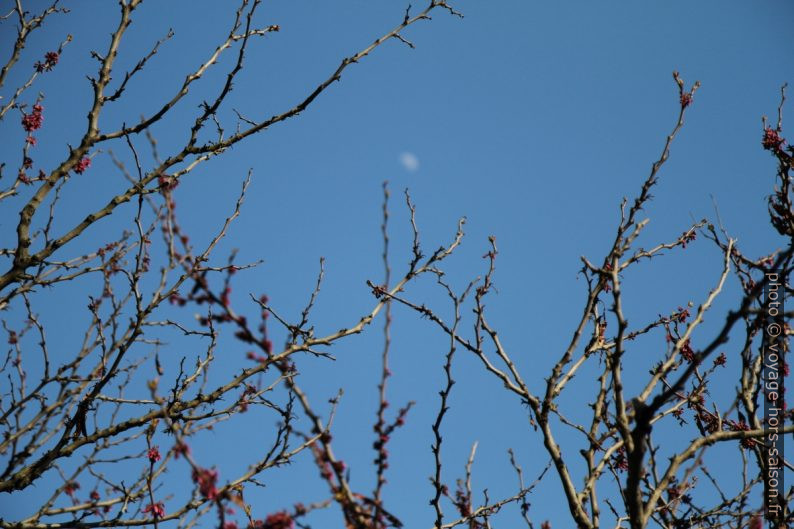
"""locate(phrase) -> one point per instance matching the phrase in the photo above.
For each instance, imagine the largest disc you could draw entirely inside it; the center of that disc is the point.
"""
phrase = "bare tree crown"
(105, 433)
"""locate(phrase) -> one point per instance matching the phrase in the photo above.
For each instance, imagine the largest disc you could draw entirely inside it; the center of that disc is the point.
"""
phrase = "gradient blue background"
(532, 119)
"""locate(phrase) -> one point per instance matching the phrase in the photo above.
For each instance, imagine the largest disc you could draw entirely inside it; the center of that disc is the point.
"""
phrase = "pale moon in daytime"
(409, 161)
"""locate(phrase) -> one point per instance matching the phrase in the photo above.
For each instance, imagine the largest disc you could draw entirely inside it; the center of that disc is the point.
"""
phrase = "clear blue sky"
(532, 119)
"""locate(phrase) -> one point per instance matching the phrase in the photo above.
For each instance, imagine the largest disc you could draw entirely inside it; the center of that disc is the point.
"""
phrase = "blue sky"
(532, 119)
